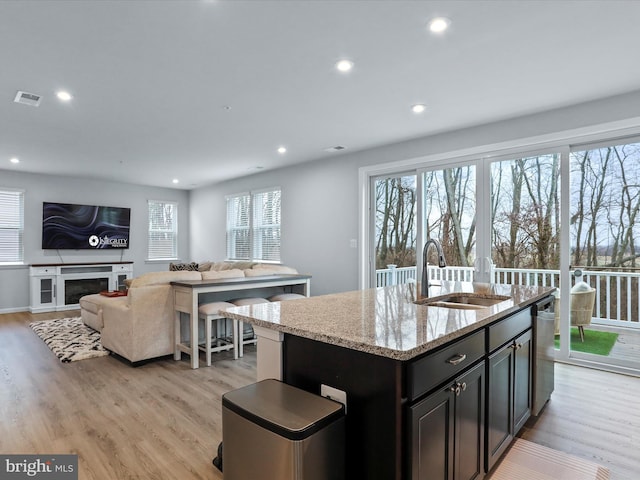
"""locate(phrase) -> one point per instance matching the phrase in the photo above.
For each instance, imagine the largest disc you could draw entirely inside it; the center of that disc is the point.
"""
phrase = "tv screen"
(73, 227)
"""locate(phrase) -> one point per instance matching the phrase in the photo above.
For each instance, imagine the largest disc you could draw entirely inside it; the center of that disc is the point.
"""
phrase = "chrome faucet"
(441, 263)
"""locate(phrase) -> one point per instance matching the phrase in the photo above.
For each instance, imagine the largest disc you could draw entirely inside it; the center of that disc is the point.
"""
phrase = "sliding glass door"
(447, 205)
(394, 206)
(567, 218)
(605, 255)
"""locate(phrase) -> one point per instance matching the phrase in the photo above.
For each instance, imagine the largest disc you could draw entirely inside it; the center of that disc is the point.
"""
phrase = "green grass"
(595, 341)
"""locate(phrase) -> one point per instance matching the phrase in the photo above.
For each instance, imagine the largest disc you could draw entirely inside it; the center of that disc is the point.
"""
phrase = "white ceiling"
(152, 80)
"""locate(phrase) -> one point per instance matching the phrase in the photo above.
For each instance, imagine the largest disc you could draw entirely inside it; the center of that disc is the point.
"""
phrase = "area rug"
(530, 461)
(595, 341)
(70, 339)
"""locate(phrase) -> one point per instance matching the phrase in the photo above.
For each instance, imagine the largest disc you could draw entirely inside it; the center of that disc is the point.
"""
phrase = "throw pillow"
(176, 267)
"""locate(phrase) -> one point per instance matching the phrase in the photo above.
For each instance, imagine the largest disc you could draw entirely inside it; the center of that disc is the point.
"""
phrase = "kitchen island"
(432, 391)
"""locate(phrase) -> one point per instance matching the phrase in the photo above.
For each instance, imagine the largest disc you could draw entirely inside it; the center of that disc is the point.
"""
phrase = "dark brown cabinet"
(446, 430)
(445, 415)
(509, 384)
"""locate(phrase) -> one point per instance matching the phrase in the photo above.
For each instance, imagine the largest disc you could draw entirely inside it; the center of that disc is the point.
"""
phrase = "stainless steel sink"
(470, 301)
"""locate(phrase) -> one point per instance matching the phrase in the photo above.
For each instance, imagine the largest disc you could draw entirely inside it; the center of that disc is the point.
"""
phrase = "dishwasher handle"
(545, 305)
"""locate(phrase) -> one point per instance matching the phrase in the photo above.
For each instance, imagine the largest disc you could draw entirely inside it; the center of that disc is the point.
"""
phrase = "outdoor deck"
(627, 346)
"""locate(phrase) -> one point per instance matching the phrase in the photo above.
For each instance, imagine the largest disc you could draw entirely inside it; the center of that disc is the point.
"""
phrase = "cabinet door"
(47, 291)
(43, 294)
(522, 381)
(469, 425)
(431, 437)
(120, 281)
(500, 410)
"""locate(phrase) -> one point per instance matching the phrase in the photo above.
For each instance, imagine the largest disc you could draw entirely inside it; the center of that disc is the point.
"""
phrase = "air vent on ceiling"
(337, 148)
(28, 98)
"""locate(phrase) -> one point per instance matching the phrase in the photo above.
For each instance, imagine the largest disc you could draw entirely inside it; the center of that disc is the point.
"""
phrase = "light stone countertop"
(385, 321)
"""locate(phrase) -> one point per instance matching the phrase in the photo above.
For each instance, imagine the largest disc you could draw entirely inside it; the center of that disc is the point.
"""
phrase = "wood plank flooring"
(594, 415)
(163, 420)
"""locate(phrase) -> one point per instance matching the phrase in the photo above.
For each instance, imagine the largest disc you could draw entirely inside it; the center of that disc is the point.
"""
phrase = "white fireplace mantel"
(58, 286)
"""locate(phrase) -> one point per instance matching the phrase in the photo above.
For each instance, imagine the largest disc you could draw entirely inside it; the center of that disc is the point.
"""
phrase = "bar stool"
(209, 312)
(238, 302)
(285, 296)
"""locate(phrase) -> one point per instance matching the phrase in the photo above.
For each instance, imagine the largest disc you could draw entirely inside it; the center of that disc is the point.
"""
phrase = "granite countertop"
(385, 321)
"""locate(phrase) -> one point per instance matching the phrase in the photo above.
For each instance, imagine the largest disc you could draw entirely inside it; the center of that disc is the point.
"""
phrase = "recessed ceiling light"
(14, 160)
(439, 24)
(64, 96)
(344, 65)
(175, 180)
(418, 108)
(282, 150)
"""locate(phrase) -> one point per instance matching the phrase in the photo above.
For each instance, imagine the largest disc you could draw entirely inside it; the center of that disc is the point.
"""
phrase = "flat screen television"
(74, 227)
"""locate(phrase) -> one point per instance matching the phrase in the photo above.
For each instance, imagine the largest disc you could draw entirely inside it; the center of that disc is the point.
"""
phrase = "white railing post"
(393, 279)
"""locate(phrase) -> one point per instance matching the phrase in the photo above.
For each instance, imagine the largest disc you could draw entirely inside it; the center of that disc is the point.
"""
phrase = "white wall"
(319, 205)
(320, 199)
(14, 293)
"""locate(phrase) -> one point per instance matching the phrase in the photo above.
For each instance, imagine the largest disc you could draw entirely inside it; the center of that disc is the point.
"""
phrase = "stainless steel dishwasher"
(544, 352)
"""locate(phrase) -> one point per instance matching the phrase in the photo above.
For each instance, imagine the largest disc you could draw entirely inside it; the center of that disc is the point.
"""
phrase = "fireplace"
(60, 286)
(74, 289)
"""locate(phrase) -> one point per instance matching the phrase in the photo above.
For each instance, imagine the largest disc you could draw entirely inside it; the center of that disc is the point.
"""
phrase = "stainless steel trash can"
(273, 431)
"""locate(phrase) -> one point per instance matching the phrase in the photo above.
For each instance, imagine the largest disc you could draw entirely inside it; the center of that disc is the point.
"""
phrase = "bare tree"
(395, 221)
(524, 212)
(450, 212)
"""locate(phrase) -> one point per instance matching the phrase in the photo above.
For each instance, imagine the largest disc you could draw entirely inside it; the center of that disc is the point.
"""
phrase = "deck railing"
(617, 293)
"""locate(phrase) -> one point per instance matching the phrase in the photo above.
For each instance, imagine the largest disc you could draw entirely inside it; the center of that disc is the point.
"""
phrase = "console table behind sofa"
(187, 295)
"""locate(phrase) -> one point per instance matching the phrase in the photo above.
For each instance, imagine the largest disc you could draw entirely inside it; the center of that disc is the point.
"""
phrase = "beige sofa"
(139, 326)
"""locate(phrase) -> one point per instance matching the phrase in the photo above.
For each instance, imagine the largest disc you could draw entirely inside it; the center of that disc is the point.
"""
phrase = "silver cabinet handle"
(458, 388)
(457, 359)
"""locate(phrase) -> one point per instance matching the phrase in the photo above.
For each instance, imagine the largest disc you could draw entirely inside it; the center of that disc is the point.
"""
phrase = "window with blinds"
(253, 226)
(11, 226)
(238, 225)
(163, 231)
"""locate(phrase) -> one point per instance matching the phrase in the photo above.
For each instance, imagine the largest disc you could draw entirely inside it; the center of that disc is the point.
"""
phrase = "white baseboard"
(13, 310)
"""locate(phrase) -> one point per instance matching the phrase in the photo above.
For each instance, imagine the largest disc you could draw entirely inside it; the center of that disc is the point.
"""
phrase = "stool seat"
(251, 338)
(210, 313)
(239, 302)
(285, 296)
(213, 308)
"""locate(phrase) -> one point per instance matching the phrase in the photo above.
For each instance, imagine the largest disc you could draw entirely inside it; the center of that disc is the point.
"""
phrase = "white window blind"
(11, 226)
(253, 226)
(238, 233)
(266, 225)
(163, 231)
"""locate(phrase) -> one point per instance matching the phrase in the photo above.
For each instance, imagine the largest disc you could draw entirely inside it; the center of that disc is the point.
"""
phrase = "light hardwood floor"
(593, 415)
(163, 420)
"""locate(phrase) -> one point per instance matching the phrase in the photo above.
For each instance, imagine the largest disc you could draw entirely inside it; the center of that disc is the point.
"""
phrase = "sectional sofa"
(139, 326)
